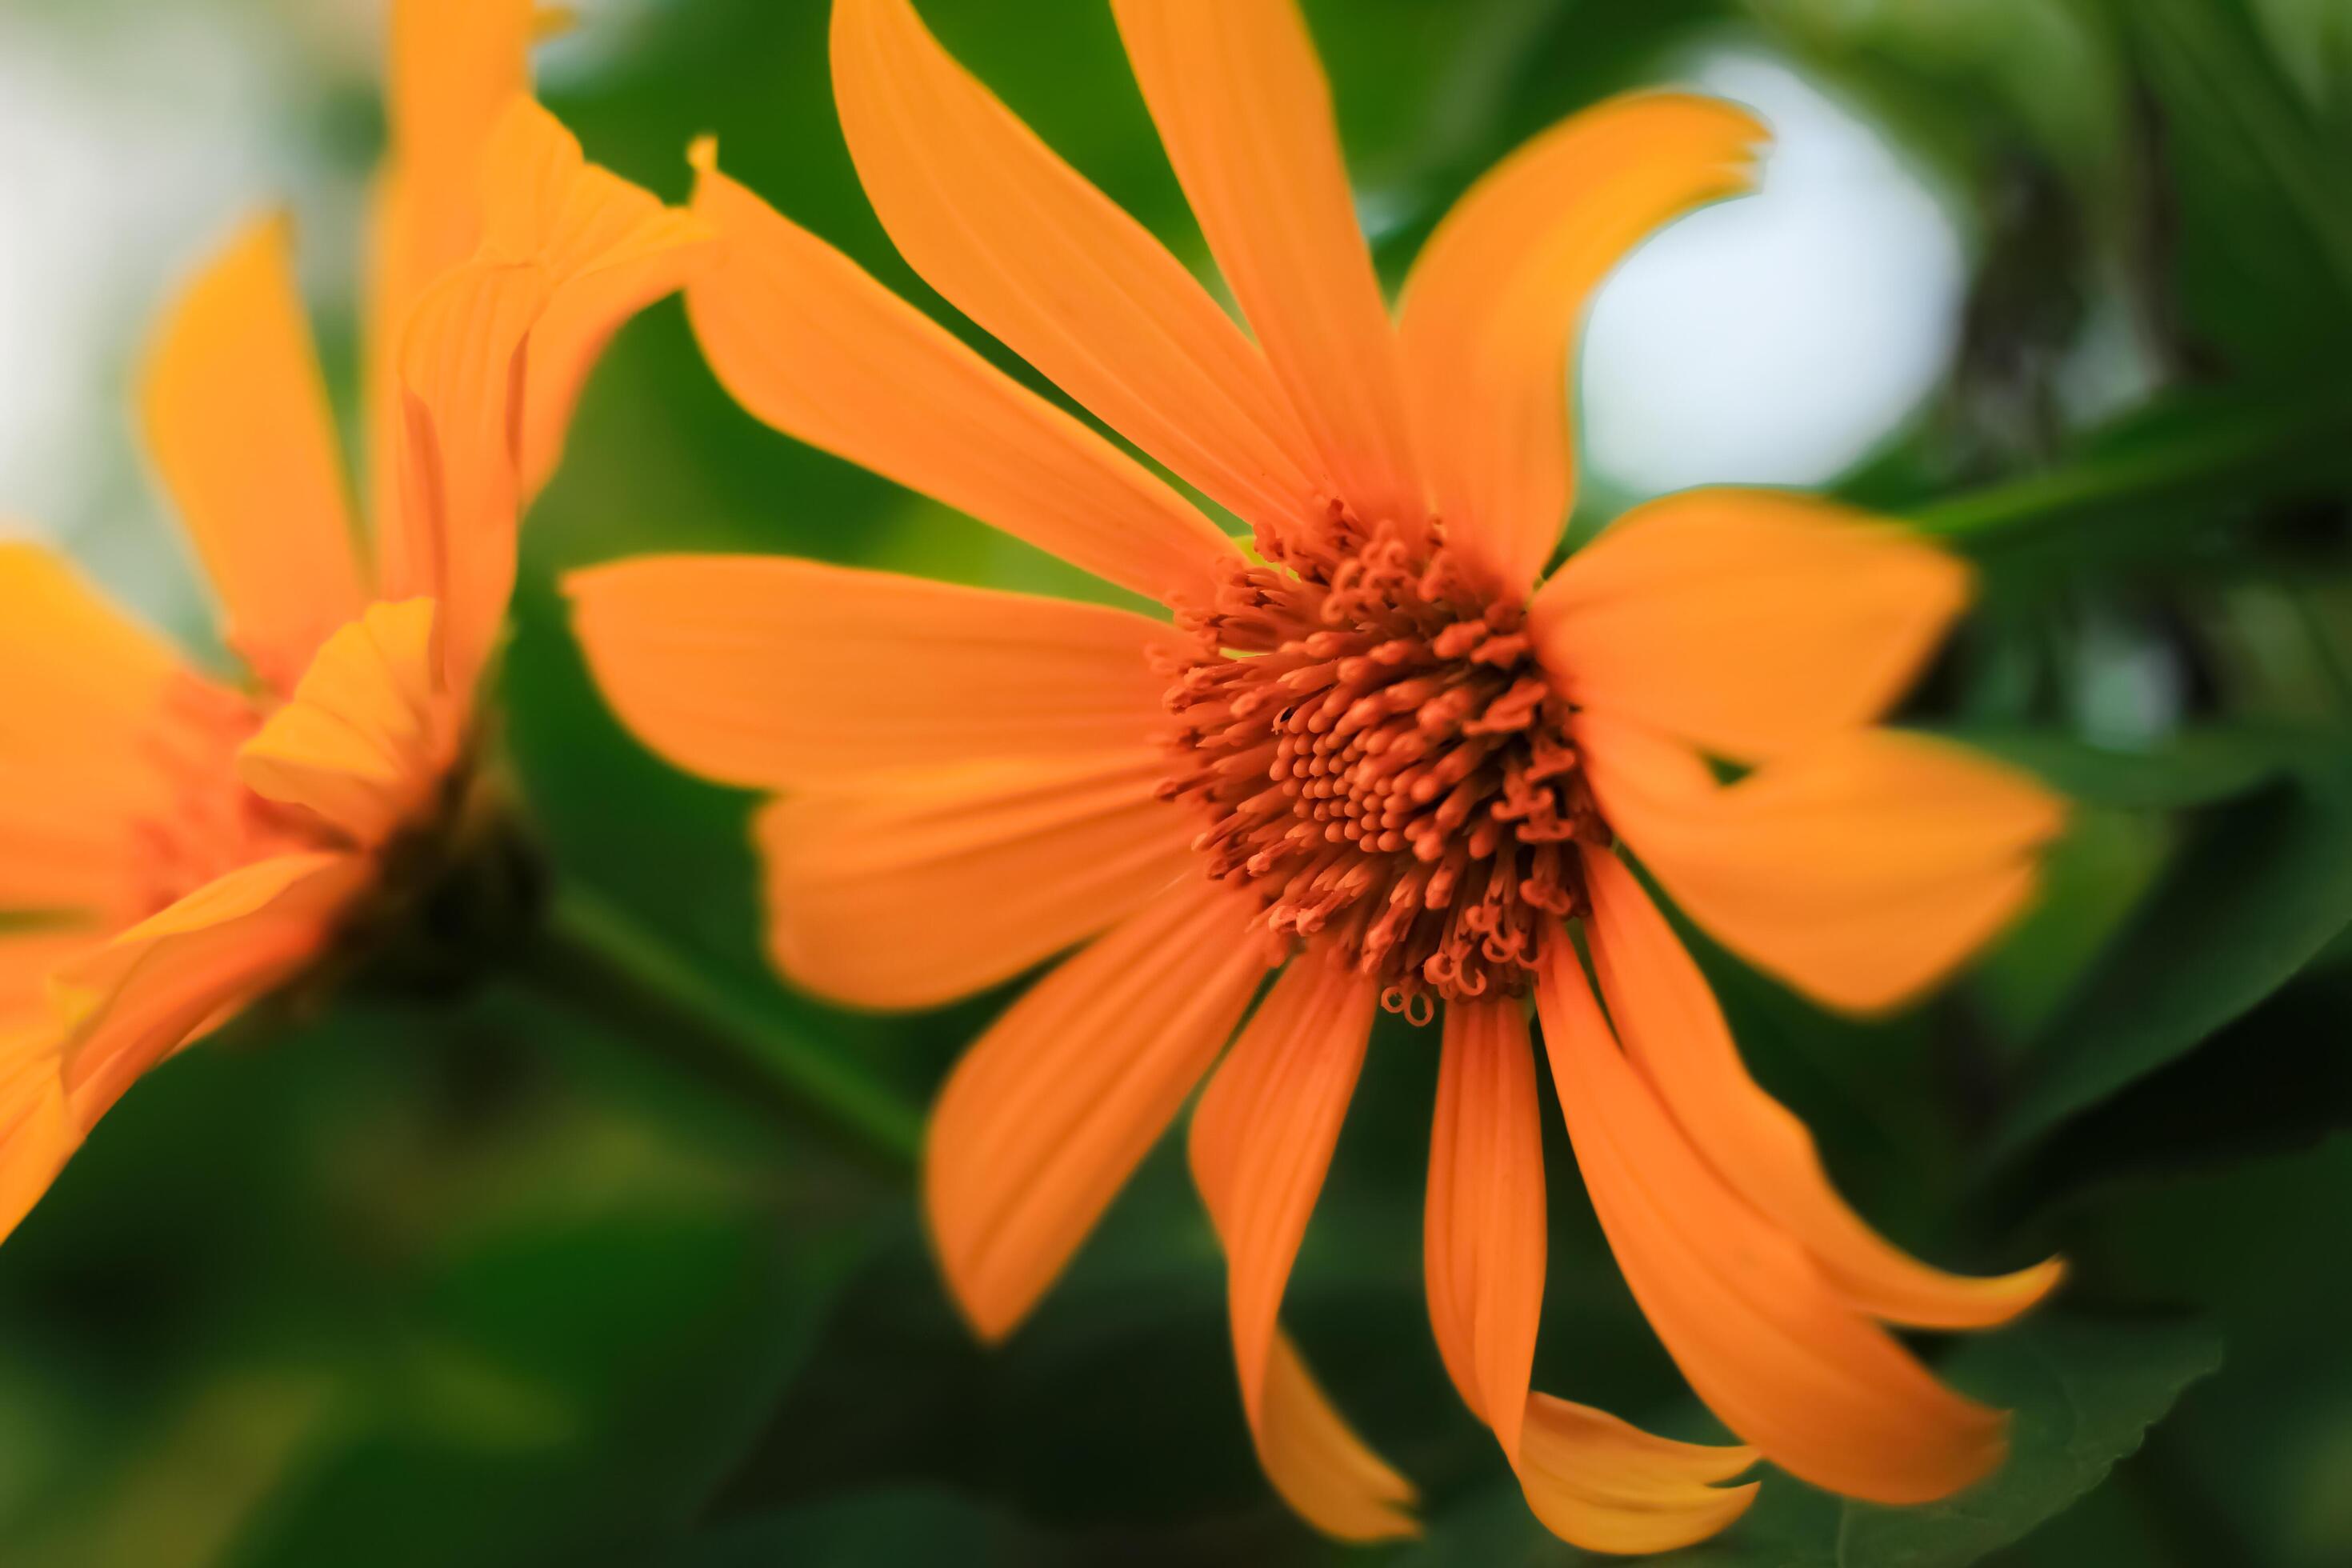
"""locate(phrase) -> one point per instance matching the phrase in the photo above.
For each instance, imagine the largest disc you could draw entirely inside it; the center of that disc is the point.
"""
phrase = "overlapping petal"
(37, 1132)
(1749, 623)
(789, 675)
(1862, 870)
(812, 344)
(1594, 1481)
(1262, 1139)
(1671, 1026)
(1049, 1114)
(1020, 243)
(1765, 1338)
(1246, 113)
(237, 419)
(1495, 301)
(931, 887)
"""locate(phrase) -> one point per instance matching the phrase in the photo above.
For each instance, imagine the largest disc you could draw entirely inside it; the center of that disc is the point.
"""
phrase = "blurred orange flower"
(1386, 753)
(176, 845)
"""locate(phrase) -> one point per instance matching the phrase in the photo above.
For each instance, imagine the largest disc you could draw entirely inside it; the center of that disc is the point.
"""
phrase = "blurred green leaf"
(2195, 767)
(2261, 886)
(906, 1528)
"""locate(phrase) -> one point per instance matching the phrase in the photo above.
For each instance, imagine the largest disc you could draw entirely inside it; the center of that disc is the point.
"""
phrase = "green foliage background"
(494, 1280)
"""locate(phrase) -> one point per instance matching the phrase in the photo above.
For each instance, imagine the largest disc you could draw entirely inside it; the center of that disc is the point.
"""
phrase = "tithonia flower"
(174, 843)
(1389, 754)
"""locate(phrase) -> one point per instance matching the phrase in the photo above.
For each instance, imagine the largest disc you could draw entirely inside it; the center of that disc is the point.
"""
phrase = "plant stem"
(591, 958)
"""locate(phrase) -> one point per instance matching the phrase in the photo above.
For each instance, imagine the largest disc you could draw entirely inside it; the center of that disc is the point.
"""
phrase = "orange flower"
(1387, 754)
(175, 846)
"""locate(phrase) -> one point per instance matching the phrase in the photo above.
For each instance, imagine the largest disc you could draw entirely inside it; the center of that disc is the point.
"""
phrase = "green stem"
(591, 958)
(2258, 450)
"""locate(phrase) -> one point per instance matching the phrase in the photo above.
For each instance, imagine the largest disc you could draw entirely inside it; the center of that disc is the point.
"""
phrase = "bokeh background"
(509, 1277)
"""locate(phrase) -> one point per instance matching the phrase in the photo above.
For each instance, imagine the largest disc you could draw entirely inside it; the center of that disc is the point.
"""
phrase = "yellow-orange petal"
(1261, 1142)
(1605, 1485)
(1323, 1470)
(1862, 870)
(462, 387)
(1020, 243)
(83, 676)
(1767, 1341)
(129, 1002)
(235, 417)
(369, 731)
(1494, 303)
(1593, 1480)
(810, 344)
(1670, 1023)
(610, 249)
(931, 887)
(1049, 1112)
(452, 67)
(1751, 623)
(1482, 1229)
(1242, 107)
(37, 1134)
(765, 672)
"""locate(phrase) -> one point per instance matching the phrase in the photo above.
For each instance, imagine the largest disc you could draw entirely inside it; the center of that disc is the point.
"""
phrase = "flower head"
(174, 845)
(1387, 753)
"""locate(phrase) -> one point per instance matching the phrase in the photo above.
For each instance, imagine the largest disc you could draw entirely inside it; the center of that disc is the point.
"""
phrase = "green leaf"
(2260, 887)
(899, 1528)
(2196, 767)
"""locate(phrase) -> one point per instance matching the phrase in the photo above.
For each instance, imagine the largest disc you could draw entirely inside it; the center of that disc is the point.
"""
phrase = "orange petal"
(1320, 1466)
(1749, 623)
(452, 67)
(83, 678)
(1261, 1142)
(237, 419)
(1605, 1485)
(1020, 243)
(1495, 301)
(1482, 1237)
(367, 734)
(789, 675)
(38, 1134)
(462, 387)
(1595, 1482)
(1049, 1112)
(131, 1002)
(925, 889)
(810, 344)
(1764, 1336)
(1671, 1026)
(1862, 870)
(610, 248)
(1242, 106)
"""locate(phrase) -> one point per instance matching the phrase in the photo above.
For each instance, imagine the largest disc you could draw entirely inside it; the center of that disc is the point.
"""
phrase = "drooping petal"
(1483, 1240)
(1020, 242)
(452, 69)
(813, 345)
(369, 731)
(783, 674)
(1246, 113)
(1862, 870)
(1670, 1023)
(1594, 1481)
(462, 390)
(235, 417)
(610, 249)
(1495, 301)
(1765, 1338)
(1751, 623)
(1261, 1142)
(127, 1004)
(1049, 1112)
(915, 892)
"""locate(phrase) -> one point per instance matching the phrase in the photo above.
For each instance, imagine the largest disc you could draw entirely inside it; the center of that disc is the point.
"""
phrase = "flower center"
(1382, 762)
